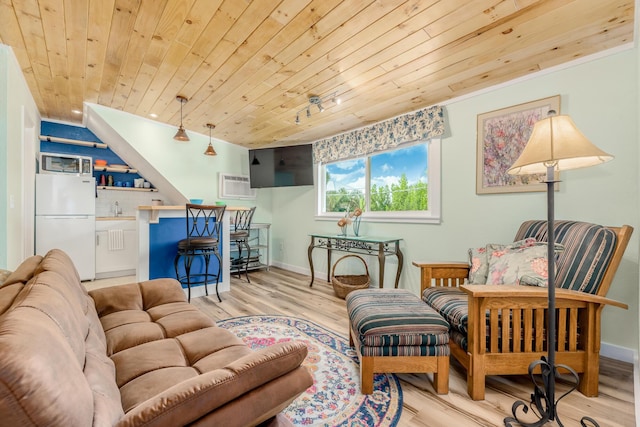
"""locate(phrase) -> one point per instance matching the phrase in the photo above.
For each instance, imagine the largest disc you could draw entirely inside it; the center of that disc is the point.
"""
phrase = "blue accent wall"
(163, 246)
(83, 134)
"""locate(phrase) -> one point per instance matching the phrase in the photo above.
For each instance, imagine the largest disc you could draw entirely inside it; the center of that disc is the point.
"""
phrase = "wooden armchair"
(500, 329)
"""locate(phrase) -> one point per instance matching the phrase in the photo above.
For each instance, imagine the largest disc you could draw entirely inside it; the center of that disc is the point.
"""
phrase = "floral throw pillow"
(510, 266)
(479, 259)
(478, 265)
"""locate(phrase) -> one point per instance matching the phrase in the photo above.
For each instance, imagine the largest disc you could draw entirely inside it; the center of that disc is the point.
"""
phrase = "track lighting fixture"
(317, 101)
(210, 151)
(181, 135)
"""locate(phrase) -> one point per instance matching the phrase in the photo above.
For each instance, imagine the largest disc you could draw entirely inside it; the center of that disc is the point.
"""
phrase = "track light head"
(317, 101)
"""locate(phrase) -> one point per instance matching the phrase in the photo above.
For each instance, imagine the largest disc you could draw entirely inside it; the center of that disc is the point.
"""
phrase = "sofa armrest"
(190, 400)
(442, 273)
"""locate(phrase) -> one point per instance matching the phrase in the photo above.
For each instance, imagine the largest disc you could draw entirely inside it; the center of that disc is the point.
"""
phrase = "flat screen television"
(281, 166)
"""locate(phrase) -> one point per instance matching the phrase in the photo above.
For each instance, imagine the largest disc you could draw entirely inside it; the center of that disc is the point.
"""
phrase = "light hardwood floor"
(282, 292)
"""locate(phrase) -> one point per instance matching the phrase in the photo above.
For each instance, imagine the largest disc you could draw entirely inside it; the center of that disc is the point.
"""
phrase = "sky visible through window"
(386, 169)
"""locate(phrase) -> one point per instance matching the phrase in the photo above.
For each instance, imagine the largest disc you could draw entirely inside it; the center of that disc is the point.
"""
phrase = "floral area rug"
(334, 399)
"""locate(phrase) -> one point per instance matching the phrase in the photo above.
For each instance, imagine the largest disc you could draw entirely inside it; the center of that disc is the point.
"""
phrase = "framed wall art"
(502, 135)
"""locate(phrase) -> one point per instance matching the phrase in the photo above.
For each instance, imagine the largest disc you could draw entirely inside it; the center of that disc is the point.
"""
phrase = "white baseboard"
(617, 352)
(298, 269)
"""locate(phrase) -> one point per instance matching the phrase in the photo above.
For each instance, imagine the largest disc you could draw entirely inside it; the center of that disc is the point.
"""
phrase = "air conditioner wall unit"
(235, 187)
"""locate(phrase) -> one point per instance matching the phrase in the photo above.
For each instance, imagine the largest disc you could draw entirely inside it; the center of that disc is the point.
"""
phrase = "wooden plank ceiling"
(250, 66)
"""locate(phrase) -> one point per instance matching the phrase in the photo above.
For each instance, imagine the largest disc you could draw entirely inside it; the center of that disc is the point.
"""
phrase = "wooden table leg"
(400, 257)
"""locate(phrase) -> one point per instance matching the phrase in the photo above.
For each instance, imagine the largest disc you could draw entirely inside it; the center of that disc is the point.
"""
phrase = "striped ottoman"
(395, 332)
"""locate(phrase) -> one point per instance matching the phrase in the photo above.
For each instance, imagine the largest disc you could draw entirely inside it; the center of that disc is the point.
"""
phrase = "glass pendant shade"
(181, 135)
(558, 142)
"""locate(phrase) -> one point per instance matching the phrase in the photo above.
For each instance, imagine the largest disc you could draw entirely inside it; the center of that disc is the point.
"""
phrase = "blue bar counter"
(159, 230)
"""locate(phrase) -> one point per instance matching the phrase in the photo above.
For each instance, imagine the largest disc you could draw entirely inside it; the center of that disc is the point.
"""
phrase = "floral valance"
(420, 125)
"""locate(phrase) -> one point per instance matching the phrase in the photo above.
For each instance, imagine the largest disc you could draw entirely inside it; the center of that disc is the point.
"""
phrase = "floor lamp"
(555, 145)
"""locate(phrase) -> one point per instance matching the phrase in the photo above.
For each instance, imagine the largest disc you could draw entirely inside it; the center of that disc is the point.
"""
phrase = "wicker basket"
(343, 284)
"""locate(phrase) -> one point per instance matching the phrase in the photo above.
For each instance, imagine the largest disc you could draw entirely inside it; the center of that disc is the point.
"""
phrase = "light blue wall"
(602, 98)
(19, 122)
(4, 100)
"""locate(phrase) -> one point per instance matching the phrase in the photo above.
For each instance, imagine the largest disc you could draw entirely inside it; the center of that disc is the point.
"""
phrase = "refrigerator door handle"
(66, 216)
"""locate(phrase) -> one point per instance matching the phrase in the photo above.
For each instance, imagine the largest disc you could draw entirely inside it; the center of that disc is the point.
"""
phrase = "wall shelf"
(112, 169)
(105, 187)
(72, 141)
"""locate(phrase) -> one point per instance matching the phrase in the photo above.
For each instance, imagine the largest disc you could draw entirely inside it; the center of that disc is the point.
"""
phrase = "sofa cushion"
(139, 313)
(588, 249)
(192, 398)
(450, 303)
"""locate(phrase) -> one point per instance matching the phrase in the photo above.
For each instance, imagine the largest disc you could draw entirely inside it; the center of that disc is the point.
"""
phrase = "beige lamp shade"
(557, 141)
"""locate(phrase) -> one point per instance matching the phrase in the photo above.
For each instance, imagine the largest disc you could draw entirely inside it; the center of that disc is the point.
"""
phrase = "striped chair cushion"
(423, 350)
(450, 303)
(396, 320)
(588, 249)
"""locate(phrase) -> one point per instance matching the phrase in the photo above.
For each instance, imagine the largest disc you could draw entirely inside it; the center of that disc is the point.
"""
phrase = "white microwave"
(66, 164)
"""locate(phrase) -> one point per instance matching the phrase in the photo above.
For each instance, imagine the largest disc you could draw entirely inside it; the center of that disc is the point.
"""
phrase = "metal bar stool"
(204, 224)
(240, 235)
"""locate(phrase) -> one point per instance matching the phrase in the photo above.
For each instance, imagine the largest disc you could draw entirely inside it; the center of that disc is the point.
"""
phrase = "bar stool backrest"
(243, 219)
(204, 221)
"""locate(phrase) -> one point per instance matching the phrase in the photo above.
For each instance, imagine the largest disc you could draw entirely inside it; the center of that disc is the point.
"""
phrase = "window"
(402, 184)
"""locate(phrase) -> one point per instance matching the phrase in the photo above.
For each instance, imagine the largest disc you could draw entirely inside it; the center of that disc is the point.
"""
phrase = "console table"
(380, 246)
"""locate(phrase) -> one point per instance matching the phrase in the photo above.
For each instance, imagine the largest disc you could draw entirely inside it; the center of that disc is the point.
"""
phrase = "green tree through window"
(398, 182)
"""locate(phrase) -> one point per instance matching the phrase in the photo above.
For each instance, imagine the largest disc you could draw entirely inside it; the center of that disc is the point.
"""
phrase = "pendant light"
(181, 135)
(210, 151)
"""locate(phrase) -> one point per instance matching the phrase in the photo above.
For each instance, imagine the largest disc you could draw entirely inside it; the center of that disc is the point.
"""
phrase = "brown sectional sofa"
(131, 355)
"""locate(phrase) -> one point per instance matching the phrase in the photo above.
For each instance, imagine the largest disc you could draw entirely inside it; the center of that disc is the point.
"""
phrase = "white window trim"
(430, 216)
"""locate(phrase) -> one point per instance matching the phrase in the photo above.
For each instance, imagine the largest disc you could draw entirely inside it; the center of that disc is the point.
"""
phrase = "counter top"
(153, 213)
(115, 218)
(182, 208)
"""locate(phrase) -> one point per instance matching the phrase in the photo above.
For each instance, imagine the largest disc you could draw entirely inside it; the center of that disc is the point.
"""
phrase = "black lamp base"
(543, 404)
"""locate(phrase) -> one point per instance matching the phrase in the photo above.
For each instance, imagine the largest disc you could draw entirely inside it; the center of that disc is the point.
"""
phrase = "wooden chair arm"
(442, 264)
(442, 273)
(518, 291)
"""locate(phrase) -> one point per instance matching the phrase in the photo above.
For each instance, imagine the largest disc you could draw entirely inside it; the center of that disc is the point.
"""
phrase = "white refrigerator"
(66, 219)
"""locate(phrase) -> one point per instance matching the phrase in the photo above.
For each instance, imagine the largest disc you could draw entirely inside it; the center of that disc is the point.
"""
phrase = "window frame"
(429, 216)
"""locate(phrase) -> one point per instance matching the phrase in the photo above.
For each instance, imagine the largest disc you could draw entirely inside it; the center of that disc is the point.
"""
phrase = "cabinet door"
(110, 260)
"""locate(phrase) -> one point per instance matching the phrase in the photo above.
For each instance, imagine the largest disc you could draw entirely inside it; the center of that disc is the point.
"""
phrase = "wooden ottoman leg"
(441, 376)
(366, 375)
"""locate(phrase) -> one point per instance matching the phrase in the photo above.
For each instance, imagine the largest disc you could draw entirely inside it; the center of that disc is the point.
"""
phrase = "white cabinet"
(116, 248)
